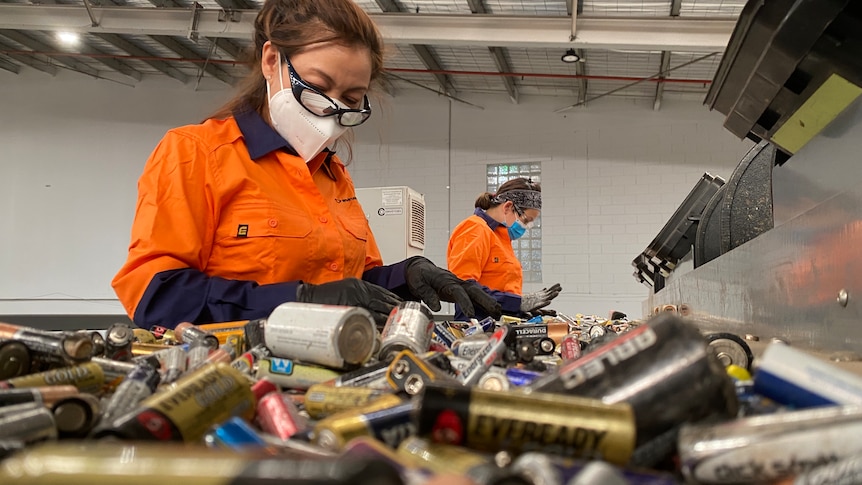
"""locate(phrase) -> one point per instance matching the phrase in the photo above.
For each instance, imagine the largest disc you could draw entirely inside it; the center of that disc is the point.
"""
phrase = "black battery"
(663, 368)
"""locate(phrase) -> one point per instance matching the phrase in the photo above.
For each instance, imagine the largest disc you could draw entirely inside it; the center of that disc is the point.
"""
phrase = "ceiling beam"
(477, 6)
(659, 86)
(581, 70)
(183, 51)
(29, 60)
(135, 50)
(673, 34)
(675, 7)
(431, 63)
(39, 46)
(502, 63)
(9, 66)
(230, 48)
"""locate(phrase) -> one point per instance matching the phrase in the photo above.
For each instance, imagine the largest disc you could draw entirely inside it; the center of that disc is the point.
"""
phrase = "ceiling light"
(68, 38)
(570, 56)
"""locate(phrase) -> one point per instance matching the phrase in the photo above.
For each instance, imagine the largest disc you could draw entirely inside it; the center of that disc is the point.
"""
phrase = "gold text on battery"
(565, 439)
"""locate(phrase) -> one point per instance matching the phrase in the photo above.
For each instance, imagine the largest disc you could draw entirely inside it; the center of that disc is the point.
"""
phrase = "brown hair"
(292, 25)
(485, 201)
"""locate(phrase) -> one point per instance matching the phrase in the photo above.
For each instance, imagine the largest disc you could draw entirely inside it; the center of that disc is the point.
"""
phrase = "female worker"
(250, 209)
(480, 247)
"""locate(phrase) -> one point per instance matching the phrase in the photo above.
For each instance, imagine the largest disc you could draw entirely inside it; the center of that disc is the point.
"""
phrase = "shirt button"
(333, 266)
(323, 219)
(273, 223)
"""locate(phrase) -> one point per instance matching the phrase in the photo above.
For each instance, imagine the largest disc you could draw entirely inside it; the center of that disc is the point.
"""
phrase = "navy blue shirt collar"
(493, 224)
(260, 138)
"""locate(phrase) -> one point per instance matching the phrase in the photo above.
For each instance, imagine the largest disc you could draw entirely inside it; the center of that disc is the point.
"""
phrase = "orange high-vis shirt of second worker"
(483, 254)
(204, 203)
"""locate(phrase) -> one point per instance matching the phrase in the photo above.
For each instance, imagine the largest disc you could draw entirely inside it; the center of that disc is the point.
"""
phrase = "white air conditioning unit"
(397, 219)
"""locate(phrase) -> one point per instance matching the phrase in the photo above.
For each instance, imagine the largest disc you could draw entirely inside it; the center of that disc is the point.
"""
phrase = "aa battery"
(54, 347)
(42, 395)
(146, 463)
(522, 377)
(118, 342)
(409, 327)
(187, 409)
(367, 448)
(143, 336)
(544, 469)
(234, 434)
(514, 422)
(770, 447)
(386, 419)
(141, 349)
(847, 471)
(14, 359)
(278, 416)
(494, 380)
(792, 377)
(140, 383)
(481, 362)
(174, 364)
(570, 348)
(468, 347)
(292, 375)
(34, 423)
(188, 333)
(75, 416)
(87, 377)
(444, 334)
(339, 337)
(663, 368)
(226, 331)
(322, 400)
(441, 458)
(372, 376)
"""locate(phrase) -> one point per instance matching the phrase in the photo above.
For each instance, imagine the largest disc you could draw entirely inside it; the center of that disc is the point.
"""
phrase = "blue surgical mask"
(516, 230)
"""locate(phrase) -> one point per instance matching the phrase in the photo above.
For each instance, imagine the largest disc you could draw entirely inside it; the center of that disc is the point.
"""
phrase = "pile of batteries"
(317, 394)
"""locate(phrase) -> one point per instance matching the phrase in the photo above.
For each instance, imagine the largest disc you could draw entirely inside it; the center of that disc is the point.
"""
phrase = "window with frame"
(528, 248)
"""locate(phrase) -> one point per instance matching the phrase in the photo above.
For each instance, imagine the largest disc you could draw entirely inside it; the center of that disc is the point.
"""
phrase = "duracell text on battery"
(626, 346)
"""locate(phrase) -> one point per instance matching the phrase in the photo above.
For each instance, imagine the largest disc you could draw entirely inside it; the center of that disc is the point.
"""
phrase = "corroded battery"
(14, 359)
(87, 377)
(409, 327)
(118, 342)
(339, 337)
(50, 347)
(514, 422)
(663, 368)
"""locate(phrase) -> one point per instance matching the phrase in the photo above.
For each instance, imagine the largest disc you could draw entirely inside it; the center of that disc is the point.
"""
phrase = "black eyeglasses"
(322, 105)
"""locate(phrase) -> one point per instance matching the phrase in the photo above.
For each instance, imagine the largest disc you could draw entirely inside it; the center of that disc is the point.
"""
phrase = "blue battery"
(488, 324)
(444, 335)
(234, 434)
(521, 377)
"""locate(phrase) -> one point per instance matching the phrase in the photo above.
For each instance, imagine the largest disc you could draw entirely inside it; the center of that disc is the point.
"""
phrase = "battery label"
(280, 366)
(530, 331)
(623, 348)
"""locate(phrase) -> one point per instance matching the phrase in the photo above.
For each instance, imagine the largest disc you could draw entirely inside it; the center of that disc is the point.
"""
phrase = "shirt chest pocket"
(261, 242)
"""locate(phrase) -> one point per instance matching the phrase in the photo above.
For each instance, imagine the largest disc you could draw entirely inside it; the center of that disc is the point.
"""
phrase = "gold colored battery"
(440, 458)
(223, 331)
(322, 400)
(340, 428)
(139, 349)
(87, 377)
(143, 336)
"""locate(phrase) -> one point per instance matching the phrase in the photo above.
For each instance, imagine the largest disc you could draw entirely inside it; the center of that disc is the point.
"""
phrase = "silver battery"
(771, 447)
(339, 337)
(29, 425)
(468, 347)
(409, 327)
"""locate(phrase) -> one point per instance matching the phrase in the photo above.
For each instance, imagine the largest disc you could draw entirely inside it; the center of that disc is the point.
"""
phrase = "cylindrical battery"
(468, 347)
(148, 463)
(321, 400)
(55, 347)
(30, 425)
(14, 359)
(114, 370)
(118, 342)
(847, 471)
(87, 377)
(278, 416)
(381, 419)
(410, 327)
(174, 364)
(372, 376)
(42, 395)
(75, 416)
(367, 448)
(292, 375)
(189, 333)
(138, 385)
(510, 421)
(493, 381)
(521, 377)
(570, 348)
(482, 361)
(339, 337)
(544, 469)
(442, 458)
(762, 449)
(234, 434)
(663, 368)
(188, 408)
(143, 336)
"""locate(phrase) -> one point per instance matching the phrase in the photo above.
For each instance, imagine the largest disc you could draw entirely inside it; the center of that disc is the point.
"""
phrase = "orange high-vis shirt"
(478, 252)
(205, 203)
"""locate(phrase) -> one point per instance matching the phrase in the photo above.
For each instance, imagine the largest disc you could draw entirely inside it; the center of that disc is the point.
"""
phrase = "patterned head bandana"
(523, 199)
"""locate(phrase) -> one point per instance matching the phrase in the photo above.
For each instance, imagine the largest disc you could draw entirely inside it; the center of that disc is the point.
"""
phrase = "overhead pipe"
(396, 70)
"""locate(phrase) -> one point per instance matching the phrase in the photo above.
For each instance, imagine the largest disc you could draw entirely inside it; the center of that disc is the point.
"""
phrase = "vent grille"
(417, 224)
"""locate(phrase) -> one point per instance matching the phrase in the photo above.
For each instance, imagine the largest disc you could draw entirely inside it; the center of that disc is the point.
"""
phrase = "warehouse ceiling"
(635, 48)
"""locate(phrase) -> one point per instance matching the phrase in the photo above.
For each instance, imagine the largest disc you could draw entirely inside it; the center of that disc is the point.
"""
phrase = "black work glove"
(431, 284)
(531, 302)
(351, 292)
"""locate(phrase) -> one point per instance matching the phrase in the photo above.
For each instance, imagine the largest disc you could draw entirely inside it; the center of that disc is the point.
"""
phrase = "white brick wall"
(612, 175)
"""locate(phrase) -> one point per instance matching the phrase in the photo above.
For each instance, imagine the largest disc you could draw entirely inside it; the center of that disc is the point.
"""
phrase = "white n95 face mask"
(306, 132)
